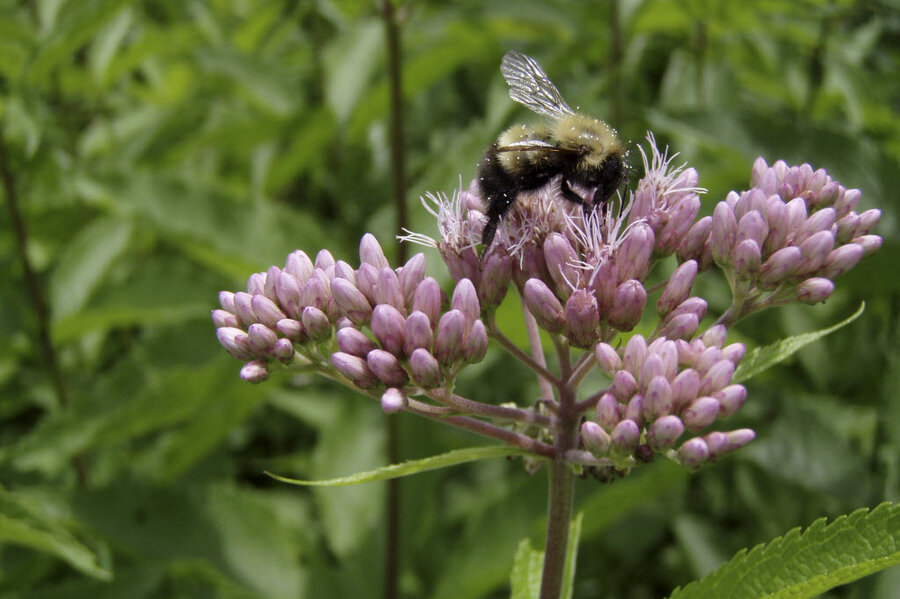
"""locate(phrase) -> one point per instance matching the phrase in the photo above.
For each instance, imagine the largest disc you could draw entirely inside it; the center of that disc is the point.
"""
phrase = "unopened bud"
(283, 351)
(693, 452)
(288, 289)
(624, 385)
(678, 288)
(255, 371)
(841, 260)
(625, 437)
(747, 259)
(417, 333)
(256, 284)
(560, 256)
(717, 377)
(633, 254)
(815, 250)
(387, 290)
(596, 440)
(867, 221)
(815, 290)
(299, 266)
(262, 338)
(609, 412)
(702, 412)
(730, 399)
(780, 265)
(315, 324)
(449, 337)
(691, 246)
(243, 309)
(665, 432)
(582, 319)
(608, 359)
(427, 299)
(316, 292)
(387, 325)
(221, 318)
(821, 220)
(634, 411)
(393, 400)
(658, 398)
(496, 273)
(324, 260)
(752, 226)
(370, 252)
(685, 388)
(869, 243)
(236, 342)
(682, 326)
(476, 343)
(352, 341)
(424, 368)
(350, 301)
(465, 299)
(628, 305)
(724, 232)
(734, 352)
(681, 216)
(410, 275)
(544, 306)
(386, 367)
(355, 369)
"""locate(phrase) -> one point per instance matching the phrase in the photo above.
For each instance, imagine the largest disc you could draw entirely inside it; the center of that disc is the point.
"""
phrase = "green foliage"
(525, 580)
(161, 151)
(807, 564)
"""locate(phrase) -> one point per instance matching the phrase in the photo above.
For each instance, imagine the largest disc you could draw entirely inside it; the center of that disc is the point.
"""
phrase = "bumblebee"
(583, 150)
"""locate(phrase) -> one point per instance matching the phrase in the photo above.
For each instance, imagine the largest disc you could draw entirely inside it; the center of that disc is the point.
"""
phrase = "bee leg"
(569, 194)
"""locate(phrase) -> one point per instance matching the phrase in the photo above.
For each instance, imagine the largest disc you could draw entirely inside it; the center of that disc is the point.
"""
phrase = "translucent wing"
(530, 86)
(530, 145)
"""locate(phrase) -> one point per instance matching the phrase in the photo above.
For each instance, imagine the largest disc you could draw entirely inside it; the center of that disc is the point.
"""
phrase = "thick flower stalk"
(588, 277)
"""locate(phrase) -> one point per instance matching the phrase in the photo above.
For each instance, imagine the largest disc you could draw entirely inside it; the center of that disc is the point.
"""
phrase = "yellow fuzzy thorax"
(578, 130)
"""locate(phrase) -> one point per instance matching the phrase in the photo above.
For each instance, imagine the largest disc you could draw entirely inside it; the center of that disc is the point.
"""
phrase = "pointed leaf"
(806, 564)
(525, 580)
(763, 358)
(451, 458)
(571, 556)
(22, 524)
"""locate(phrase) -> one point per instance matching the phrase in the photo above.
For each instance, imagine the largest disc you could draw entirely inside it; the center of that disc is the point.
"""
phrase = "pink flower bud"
(692, 305)
(292, 329)
(717, 443)
(796, 217)
(604, 282)
(465, 299)
(393, 400)
(496, 273)
(685, 388)
(635, 354)
(387, 290)
(628, 305)
(262, 339)
(386, 367)
(609, 412)
(815, 290)
(633, 254)
(759, 168)
(717, 377)
(387, 325)
(681, 217)
(847, 202)
(476, 343)
(299, 266)
(226, 300)
(624, 385)
(686, 355)
(410, 275)
(324, 260)
(532, 265)
(693, 452)
(355, 369)
(236, 342)
(739, 438)
(607, 358)
(653, 367)
(734, 352)
(449, 337)
(678, 288)
(560, 256)
(265, 310)
(752, 226)
(702, 412)
(287, 290)
(869, 243)
(634, 411)
(342, 270)
(544, 306)
(350, 301)
(367, 281)
(255, 371)
(269, 287)
(221, 318)
(417, 333)
(708, 358)
(681, 326)
(658, 398)
(283, 351)
(669, 355)
(731, 398)
(691, 246)
(582, 319)
(715, 336)
(841, 260)
(867, 221)
(424, 368)
(776, 214)
(243, 310)
(846, 228)
(256, 284)
(428, 299)
(370, 252)
(724, 232)
(462, 263)
(625, 437)
(822, 220)
(665, 432)
(316, 292)
(352, 341)
(780, 265)
(747, 259)
(596, 440)
(315, 323)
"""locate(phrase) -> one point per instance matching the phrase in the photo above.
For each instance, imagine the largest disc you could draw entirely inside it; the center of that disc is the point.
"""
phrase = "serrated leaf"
(444, 460)
(22, 524)
(763, 358)
(525, 579)
(806, 564)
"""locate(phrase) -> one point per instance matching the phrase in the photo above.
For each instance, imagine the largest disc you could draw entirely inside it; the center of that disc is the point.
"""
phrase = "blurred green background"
(162, 150)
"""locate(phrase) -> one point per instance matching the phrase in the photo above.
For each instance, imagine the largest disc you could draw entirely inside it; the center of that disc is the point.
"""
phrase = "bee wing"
(530, 86)
(528, 145)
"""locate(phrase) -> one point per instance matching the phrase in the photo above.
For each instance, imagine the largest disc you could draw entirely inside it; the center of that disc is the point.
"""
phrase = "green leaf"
(800, 565)
(571, 556)
(22, 524)
(444, 460)
(525, 580)
(762, 358)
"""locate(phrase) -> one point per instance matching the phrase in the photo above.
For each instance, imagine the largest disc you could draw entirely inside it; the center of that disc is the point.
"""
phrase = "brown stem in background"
(36, 294)
(398, 177)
